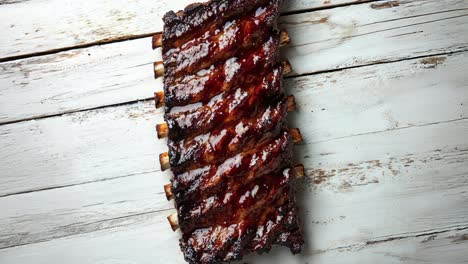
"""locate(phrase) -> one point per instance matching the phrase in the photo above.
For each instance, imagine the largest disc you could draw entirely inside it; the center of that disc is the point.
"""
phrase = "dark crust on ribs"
(222, 77)
(224, 107)
(219, 43)
(217, 186)
(254, 230)
(229, 140)
(229, 146)
(180, 26)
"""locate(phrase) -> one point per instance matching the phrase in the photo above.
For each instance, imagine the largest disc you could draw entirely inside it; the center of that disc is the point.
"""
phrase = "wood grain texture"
(79, 148)
(69, 148)
(321, 41)
(381, 97)
(378, 186)
(294, 6)
(30, 27)
(46, 215)
(385, 145)
(78, 79)
(363, 186)
(374, 33)
(112, 246)
(446, 247)
(357, 204)
(36, 26)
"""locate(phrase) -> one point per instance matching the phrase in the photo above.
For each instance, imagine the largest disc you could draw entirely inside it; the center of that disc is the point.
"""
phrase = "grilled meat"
(230, 149)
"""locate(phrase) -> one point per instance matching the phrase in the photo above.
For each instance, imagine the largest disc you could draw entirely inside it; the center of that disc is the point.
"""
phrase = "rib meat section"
(230, 148)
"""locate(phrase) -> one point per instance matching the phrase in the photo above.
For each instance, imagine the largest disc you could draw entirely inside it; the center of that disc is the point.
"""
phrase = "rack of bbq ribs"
(230, 149)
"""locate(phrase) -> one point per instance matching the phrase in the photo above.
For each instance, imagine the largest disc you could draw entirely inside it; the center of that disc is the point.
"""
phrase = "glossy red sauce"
(223, 108)
(238, 34)
(213, 146)
(208, 82)
(247, 165)
(229, 146)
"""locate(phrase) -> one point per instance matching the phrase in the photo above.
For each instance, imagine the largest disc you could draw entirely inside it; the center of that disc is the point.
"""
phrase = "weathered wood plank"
(351, 178)
(147, 241)
(80, 147)
(36, 26)
(381, 97)
(323, 40)
(290, 6)
(382, 185)
(446, 247)
(78, 79)
(45, 215)
(374, 33)
(30, 27)
(417, 186)
(385, 149)
(141, 244)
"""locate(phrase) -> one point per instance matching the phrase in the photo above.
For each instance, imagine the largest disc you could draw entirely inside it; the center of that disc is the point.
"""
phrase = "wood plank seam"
(392, 28)
(294, 75)
(67, 225)
(76, 184)
(290, 76)
(90, 224)
(351, 246)
(389, 239)
(387, 130)
(451, 157)
(421, 15)
(332, 6)
(77, 111)
(44, 103)
(74, 47)
(138, 36)
(334, 138)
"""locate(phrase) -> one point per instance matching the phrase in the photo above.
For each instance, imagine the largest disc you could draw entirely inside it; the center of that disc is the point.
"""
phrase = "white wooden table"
(382, 92)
